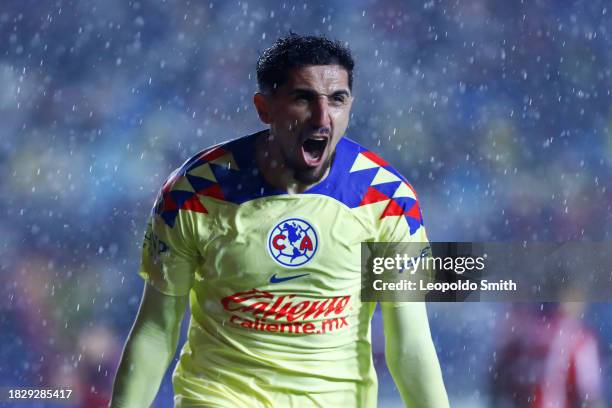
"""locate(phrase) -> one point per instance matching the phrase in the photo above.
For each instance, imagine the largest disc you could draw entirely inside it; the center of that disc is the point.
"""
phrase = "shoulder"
(362, 178)
(218, 172)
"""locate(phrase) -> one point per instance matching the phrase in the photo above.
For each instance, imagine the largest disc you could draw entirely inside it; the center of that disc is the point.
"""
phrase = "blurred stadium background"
(498, 112)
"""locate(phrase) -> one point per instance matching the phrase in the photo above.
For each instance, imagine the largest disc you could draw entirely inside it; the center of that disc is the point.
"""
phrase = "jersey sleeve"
(169, 253)
(403, 232)
(404, 229)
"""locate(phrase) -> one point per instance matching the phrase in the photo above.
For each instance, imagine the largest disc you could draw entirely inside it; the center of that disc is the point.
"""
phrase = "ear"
(262, 106)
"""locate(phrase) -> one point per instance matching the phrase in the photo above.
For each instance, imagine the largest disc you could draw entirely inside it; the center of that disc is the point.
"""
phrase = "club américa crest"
(293, 242)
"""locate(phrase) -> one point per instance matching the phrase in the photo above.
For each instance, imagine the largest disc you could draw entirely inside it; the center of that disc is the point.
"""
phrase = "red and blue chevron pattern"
(227, 172)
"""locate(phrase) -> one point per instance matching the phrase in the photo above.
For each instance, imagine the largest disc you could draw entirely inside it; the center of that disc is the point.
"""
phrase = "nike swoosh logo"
(274, 279)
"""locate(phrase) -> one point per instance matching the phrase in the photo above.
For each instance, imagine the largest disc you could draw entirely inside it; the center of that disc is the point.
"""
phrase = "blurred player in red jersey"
(548, 359)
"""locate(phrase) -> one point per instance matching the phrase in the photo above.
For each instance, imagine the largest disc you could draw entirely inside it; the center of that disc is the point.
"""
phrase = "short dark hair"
(296, 51)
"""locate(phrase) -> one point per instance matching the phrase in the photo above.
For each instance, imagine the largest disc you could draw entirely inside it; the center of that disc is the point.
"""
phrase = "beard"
(310, 175)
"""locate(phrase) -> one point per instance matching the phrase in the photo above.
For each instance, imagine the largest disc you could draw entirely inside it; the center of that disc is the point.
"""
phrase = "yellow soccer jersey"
(274, 278)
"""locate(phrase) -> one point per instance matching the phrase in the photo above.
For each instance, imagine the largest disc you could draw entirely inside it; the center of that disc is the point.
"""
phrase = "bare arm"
(149, 349)
(411, 356)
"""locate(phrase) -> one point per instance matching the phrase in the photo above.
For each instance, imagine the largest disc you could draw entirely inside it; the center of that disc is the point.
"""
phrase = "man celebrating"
(262, 234)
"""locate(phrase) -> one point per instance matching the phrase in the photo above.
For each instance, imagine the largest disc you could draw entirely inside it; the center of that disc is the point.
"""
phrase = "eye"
(301, 98)
(338, 100)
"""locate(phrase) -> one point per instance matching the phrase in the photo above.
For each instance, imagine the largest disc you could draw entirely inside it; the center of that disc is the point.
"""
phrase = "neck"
(272, 165)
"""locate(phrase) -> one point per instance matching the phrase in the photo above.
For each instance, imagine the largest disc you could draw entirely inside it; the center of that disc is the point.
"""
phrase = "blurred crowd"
(498, 113)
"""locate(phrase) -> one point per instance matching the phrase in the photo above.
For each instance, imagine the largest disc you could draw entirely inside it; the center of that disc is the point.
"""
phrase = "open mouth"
(313, 149)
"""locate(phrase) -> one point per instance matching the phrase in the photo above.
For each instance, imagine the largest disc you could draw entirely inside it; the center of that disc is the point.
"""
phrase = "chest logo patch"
(293, 242)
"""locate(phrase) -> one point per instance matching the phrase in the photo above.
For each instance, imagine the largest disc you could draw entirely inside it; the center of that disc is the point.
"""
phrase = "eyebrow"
(310, 92)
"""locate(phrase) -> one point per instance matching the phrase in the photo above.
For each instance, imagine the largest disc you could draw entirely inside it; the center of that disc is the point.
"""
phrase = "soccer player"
(261, 235)
(548, 358)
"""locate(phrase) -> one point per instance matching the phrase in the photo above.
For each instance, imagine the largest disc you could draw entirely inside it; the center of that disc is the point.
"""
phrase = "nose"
(320, 117)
